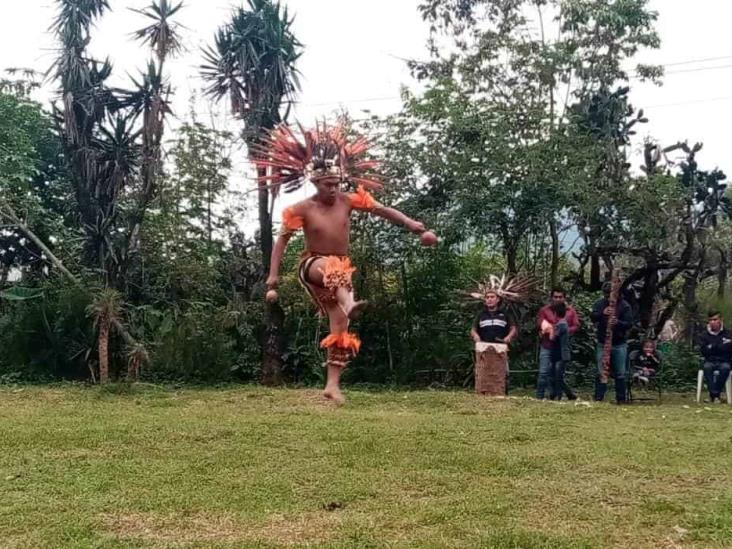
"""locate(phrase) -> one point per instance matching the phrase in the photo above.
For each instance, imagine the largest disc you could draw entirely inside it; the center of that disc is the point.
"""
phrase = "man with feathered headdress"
(493, 331)
(331, 161)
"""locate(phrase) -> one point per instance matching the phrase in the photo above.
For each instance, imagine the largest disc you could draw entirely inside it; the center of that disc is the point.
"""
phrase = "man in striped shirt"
(493, 325)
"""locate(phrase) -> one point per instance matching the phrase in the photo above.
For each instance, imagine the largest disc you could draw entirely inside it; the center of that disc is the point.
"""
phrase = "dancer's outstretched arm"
(362, 200)
(398, 218)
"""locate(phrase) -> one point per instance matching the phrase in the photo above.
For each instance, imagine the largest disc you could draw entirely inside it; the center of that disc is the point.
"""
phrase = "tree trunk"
(7, 211)
(405, 287)
(104, 352)
(511, 262)
(648, 298)
(133, 369)
(582, 260)
(274, 315)
(554, 268)
(511, 252)
(666, 314)
(690, 306)
(510, 249)
(209, 213)
(390, 353)
(595, 272)
(265, 225)
(722, 275)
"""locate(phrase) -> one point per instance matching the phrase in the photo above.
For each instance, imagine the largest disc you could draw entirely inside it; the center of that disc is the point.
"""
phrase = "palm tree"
(150, 100)
(112, 139)
(87, 104)
(252, 64)
(136, 357)
(106, 311)
(163, 34)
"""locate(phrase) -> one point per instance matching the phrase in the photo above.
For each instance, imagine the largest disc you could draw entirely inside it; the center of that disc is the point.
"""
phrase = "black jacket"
(716, 347)
(624, 321)
(493, 326)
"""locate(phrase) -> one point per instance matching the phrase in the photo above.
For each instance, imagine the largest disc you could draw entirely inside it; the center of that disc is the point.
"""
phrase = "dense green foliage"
(516, 152)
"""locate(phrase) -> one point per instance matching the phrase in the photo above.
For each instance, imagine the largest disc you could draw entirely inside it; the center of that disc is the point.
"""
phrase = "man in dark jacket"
(493, 326)
(715, 345)
(623, 321)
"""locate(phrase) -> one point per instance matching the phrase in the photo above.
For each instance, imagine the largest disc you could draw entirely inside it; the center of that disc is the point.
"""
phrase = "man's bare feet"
(334, 394)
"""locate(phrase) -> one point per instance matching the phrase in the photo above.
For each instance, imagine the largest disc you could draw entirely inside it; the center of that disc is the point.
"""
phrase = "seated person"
(646, 364)
(715, 344)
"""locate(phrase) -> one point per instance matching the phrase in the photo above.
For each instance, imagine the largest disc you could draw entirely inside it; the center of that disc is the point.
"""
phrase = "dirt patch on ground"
(288, 529)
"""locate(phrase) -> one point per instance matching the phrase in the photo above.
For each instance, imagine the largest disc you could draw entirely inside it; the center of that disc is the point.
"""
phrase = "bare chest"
(327, 223)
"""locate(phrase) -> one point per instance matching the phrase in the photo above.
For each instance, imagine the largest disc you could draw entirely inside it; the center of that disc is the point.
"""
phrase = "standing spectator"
(545, 321)
(493, 325)
(715, 345)
(492, 332)
(623, 321)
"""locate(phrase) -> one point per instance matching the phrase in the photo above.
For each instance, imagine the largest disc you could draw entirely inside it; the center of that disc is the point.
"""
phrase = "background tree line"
(120, 257)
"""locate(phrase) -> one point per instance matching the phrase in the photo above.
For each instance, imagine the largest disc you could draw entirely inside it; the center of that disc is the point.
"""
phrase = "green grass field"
(251, 467)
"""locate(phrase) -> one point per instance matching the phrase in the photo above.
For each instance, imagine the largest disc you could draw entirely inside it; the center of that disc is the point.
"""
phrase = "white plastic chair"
(700, 383)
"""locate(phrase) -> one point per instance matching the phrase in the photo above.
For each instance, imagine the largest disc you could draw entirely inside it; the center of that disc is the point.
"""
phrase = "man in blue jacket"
(623, 321)
(715, 345)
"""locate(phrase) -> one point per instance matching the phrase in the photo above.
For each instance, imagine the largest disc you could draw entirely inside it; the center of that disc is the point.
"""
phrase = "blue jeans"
(559, 385)
(545, 372)
(716, 383)
(618, 366)
(551, 375)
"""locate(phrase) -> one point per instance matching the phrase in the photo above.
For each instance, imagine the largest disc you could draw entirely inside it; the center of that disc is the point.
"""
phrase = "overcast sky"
(354, 51)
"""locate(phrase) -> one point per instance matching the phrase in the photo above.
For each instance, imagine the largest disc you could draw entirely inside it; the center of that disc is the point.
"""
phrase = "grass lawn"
(252, 467)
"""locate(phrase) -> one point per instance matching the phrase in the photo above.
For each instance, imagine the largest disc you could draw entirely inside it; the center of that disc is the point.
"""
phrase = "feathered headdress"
(515, 290)
(325, 151)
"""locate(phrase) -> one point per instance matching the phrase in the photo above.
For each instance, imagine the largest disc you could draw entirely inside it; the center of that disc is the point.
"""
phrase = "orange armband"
(291, 222)
(362, 200)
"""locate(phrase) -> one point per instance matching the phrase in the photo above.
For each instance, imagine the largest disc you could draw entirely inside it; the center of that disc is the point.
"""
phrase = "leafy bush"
(46, 335)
